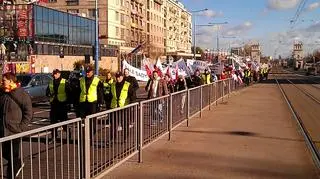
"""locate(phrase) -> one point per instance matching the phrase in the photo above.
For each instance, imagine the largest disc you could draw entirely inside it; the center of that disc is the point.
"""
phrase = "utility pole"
(194, 30)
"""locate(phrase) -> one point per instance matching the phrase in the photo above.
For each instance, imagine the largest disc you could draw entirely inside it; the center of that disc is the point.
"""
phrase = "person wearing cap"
(91, 93)
(206, 77)
(122, 94)
(107, 89)
(57, 91)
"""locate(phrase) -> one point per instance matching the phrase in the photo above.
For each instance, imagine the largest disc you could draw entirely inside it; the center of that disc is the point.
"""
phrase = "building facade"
(297, 55)
(179, 28)
(54, 39)
(255, 52)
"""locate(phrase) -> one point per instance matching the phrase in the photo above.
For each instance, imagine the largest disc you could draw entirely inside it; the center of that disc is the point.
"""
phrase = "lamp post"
(218, 31)
(213, 24)
(229, 37)
(96, 62)
(194, 30)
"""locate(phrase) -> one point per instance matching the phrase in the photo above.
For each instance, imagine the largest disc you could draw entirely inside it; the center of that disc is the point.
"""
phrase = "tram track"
(307, 121)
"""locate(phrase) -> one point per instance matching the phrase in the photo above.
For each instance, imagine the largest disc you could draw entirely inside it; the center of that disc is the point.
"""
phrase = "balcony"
(72, 2)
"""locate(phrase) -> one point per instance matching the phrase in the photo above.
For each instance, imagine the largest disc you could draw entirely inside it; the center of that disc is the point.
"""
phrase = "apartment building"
(178, 28)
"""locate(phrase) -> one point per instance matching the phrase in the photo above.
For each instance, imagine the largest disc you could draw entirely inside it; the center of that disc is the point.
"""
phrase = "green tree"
(198, 50)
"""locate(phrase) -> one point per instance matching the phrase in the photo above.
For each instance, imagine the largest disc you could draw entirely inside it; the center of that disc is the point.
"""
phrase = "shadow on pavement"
(240, 133)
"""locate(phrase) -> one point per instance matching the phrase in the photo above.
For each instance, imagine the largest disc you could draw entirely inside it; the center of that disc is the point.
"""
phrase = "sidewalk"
(251, 135)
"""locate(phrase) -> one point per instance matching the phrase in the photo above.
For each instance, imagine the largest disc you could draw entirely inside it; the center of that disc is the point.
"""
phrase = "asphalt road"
(303, 93)
(41, 111)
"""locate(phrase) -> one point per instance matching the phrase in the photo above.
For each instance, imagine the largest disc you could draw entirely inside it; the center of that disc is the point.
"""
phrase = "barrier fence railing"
(91, 147)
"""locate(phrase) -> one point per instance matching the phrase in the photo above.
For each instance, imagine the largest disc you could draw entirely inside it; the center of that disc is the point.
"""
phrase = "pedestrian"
(107, 89)
(122, 94)
(206, 77)
(196, 79)
(91, 93)
(91, 97)
(15, 115)
(158, 88)
(214, 76)
(170, 83)
(247, 75)
(131, 79)
(180, 86)
(58, 91)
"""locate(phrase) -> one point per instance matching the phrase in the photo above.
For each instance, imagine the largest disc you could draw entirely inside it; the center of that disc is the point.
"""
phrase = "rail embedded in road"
(308, 138)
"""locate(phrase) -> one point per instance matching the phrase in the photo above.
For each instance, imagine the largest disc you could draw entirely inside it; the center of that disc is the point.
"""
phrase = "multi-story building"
(178, 28)
(155, 45)
(297, 55)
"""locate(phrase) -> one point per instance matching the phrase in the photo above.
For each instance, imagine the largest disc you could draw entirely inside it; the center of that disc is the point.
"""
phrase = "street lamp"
(218, 31)
(229, 37)
(213, 24)
(194, 30)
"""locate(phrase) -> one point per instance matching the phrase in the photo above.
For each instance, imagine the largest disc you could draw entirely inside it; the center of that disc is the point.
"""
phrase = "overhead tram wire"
(298, 12)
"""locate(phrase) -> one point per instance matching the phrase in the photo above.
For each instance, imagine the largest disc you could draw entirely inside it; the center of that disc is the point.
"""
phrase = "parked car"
(35, 85)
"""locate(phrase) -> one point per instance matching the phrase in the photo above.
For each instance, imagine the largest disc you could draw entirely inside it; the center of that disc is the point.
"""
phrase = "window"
(92, 13)
(73, 11)
(117, 16)
(52, 0)
(117, 31)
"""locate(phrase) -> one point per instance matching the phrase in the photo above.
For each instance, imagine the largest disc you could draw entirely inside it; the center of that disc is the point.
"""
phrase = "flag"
(149, 73)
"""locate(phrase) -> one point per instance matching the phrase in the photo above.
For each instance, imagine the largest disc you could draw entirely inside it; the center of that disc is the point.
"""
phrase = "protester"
(180, 86)
(131, 79)
(157, 88)
(170, 83)
(214, 76)
(58, 91)
(15, 115)
(196, 79)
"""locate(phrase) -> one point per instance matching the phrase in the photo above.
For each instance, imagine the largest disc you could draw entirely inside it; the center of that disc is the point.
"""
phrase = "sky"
(267, 22)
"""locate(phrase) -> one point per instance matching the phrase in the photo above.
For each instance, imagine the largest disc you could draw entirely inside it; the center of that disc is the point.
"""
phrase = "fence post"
(86, 146)
(201, 101)
(170, 117)
(222, 84)
(210, 91)
(140, 132)
(229, 90)
(216, 92)
(188, 107)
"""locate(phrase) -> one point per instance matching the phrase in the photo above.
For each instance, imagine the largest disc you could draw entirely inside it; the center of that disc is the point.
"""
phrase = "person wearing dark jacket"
(196, 79)
(15, 115)
(131, 79)
(170, 83)
(91, 93)
(122, 94)
(58, 91)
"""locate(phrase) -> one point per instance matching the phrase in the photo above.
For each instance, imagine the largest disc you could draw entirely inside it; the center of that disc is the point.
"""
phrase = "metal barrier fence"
(93, 146)
(39, 157)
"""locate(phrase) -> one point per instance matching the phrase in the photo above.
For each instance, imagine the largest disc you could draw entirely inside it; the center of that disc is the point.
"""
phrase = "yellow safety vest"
(107, 86)
(206, 80)
(62, 95)
(91, 96)
(123, 100)
(247, 74)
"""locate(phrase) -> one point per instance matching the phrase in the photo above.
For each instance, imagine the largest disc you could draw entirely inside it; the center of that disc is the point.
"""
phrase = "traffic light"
(61, 54)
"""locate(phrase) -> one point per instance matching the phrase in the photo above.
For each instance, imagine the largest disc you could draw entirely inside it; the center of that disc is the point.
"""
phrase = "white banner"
(182, 68)
(140, 75)
(197, 65)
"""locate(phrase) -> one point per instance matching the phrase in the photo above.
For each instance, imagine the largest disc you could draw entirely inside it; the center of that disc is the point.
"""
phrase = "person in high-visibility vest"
(91, 93)
(247, 75)
(57, 91)
(206, 77)
(123, 93)
(107, 89)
